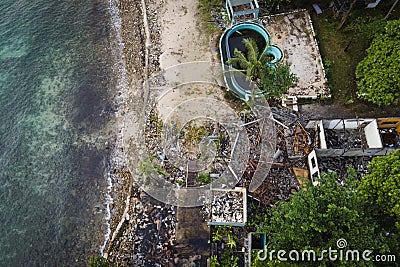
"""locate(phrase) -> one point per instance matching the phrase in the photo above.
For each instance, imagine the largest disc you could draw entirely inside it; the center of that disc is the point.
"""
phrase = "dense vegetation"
(378, 72)
(272, 79)
(316, 218)
(343, 49)
(381, 186)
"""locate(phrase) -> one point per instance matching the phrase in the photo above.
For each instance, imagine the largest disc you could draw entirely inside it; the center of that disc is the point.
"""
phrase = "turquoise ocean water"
(56, 83)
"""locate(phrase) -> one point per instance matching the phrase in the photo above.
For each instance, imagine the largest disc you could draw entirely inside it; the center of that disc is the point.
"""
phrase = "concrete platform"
(294, 34)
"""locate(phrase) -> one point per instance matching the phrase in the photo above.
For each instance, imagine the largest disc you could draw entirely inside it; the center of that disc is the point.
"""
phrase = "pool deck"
(294, 34)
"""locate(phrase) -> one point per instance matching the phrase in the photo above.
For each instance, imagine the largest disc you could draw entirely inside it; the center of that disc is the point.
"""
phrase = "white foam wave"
(118, 156)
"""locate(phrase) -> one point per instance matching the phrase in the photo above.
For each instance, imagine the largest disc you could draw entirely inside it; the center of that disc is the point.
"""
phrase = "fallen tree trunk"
(391, 9)
(346, 15)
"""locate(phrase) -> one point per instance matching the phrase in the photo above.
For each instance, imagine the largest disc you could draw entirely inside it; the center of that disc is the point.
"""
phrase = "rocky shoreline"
(142, 230)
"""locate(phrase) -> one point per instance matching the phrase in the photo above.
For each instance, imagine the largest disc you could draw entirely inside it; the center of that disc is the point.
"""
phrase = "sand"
(181, 36)
(175, 37)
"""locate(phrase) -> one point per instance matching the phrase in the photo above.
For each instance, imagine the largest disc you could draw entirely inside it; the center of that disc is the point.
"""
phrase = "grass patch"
(205, 9)
(342, 50)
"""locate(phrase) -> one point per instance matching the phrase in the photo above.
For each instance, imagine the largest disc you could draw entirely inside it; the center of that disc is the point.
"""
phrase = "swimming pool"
(232, 39)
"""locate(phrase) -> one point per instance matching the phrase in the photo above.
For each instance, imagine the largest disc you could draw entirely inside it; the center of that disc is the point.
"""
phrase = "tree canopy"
(381, 186)
(316, 218)
(275, 82)
(378, 73)
(272, 79)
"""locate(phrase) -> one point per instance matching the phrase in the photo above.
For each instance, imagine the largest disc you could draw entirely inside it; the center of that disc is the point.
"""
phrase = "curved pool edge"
(225, 55)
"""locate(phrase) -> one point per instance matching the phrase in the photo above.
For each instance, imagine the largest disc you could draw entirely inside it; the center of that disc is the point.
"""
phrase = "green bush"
(378, 73)
(99, 261)
(204, 178)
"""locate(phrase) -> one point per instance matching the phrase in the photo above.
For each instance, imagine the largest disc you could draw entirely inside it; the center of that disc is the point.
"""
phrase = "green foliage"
(256, 262)
(252, 63)
(273, 80)
(148, 167)
(225, 233)
(276, 82)
(181, 183)
(194, 133)
(204, 178)
(214, 261)
(381, 186)
(228, 259)
(319, 216)
(231, 242)
(216, 236)
(260, 219)
(378, 73)
(367, 26)
(206, 7)
(209, 3)
(220, 232)
(345, 49)
(155, 120)
(99, 261)
(327, 66)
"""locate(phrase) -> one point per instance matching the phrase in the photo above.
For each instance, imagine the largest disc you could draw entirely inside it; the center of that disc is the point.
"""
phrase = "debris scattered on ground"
(340, 165)
(228, 207)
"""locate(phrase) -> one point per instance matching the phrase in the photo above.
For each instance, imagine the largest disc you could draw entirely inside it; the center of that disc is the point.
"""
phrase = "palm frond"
(243, 62)
(252, 49)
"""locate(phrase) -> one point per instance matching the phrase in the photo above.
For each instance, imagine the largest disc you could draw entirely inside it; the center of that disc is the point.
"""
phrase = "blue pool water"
(56, 86)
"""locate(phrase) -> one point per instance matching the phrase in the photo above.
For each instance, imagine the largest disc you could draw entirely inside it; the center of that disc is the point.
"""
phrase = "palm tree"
(272, 79)
(253, 62)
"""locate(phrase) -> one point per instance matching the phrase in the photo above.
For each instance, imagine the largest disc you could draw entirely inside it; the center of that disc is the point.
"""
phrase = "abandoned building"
(355, 137)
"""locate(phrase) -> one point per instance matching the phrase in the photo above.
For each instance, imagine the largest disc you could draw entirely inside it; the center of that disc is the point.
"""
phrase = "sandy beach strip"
(175, 37)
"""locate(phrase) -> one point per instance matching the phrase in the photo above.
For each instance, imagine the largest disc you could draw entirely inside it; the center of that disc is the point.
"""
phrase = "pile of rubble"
(340, 165)
(253, 132)
(348, 138)
(211, 133)
(227, 207)
(299, 142)
(278, 186)
(155, 233)
(148, 238)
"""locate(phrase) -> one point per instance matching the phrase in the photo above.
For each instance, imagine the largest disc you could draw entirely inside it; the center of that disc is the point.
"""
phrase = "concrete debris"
(340, 165)
(347, 138)
(227, 208)
(149, 235)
